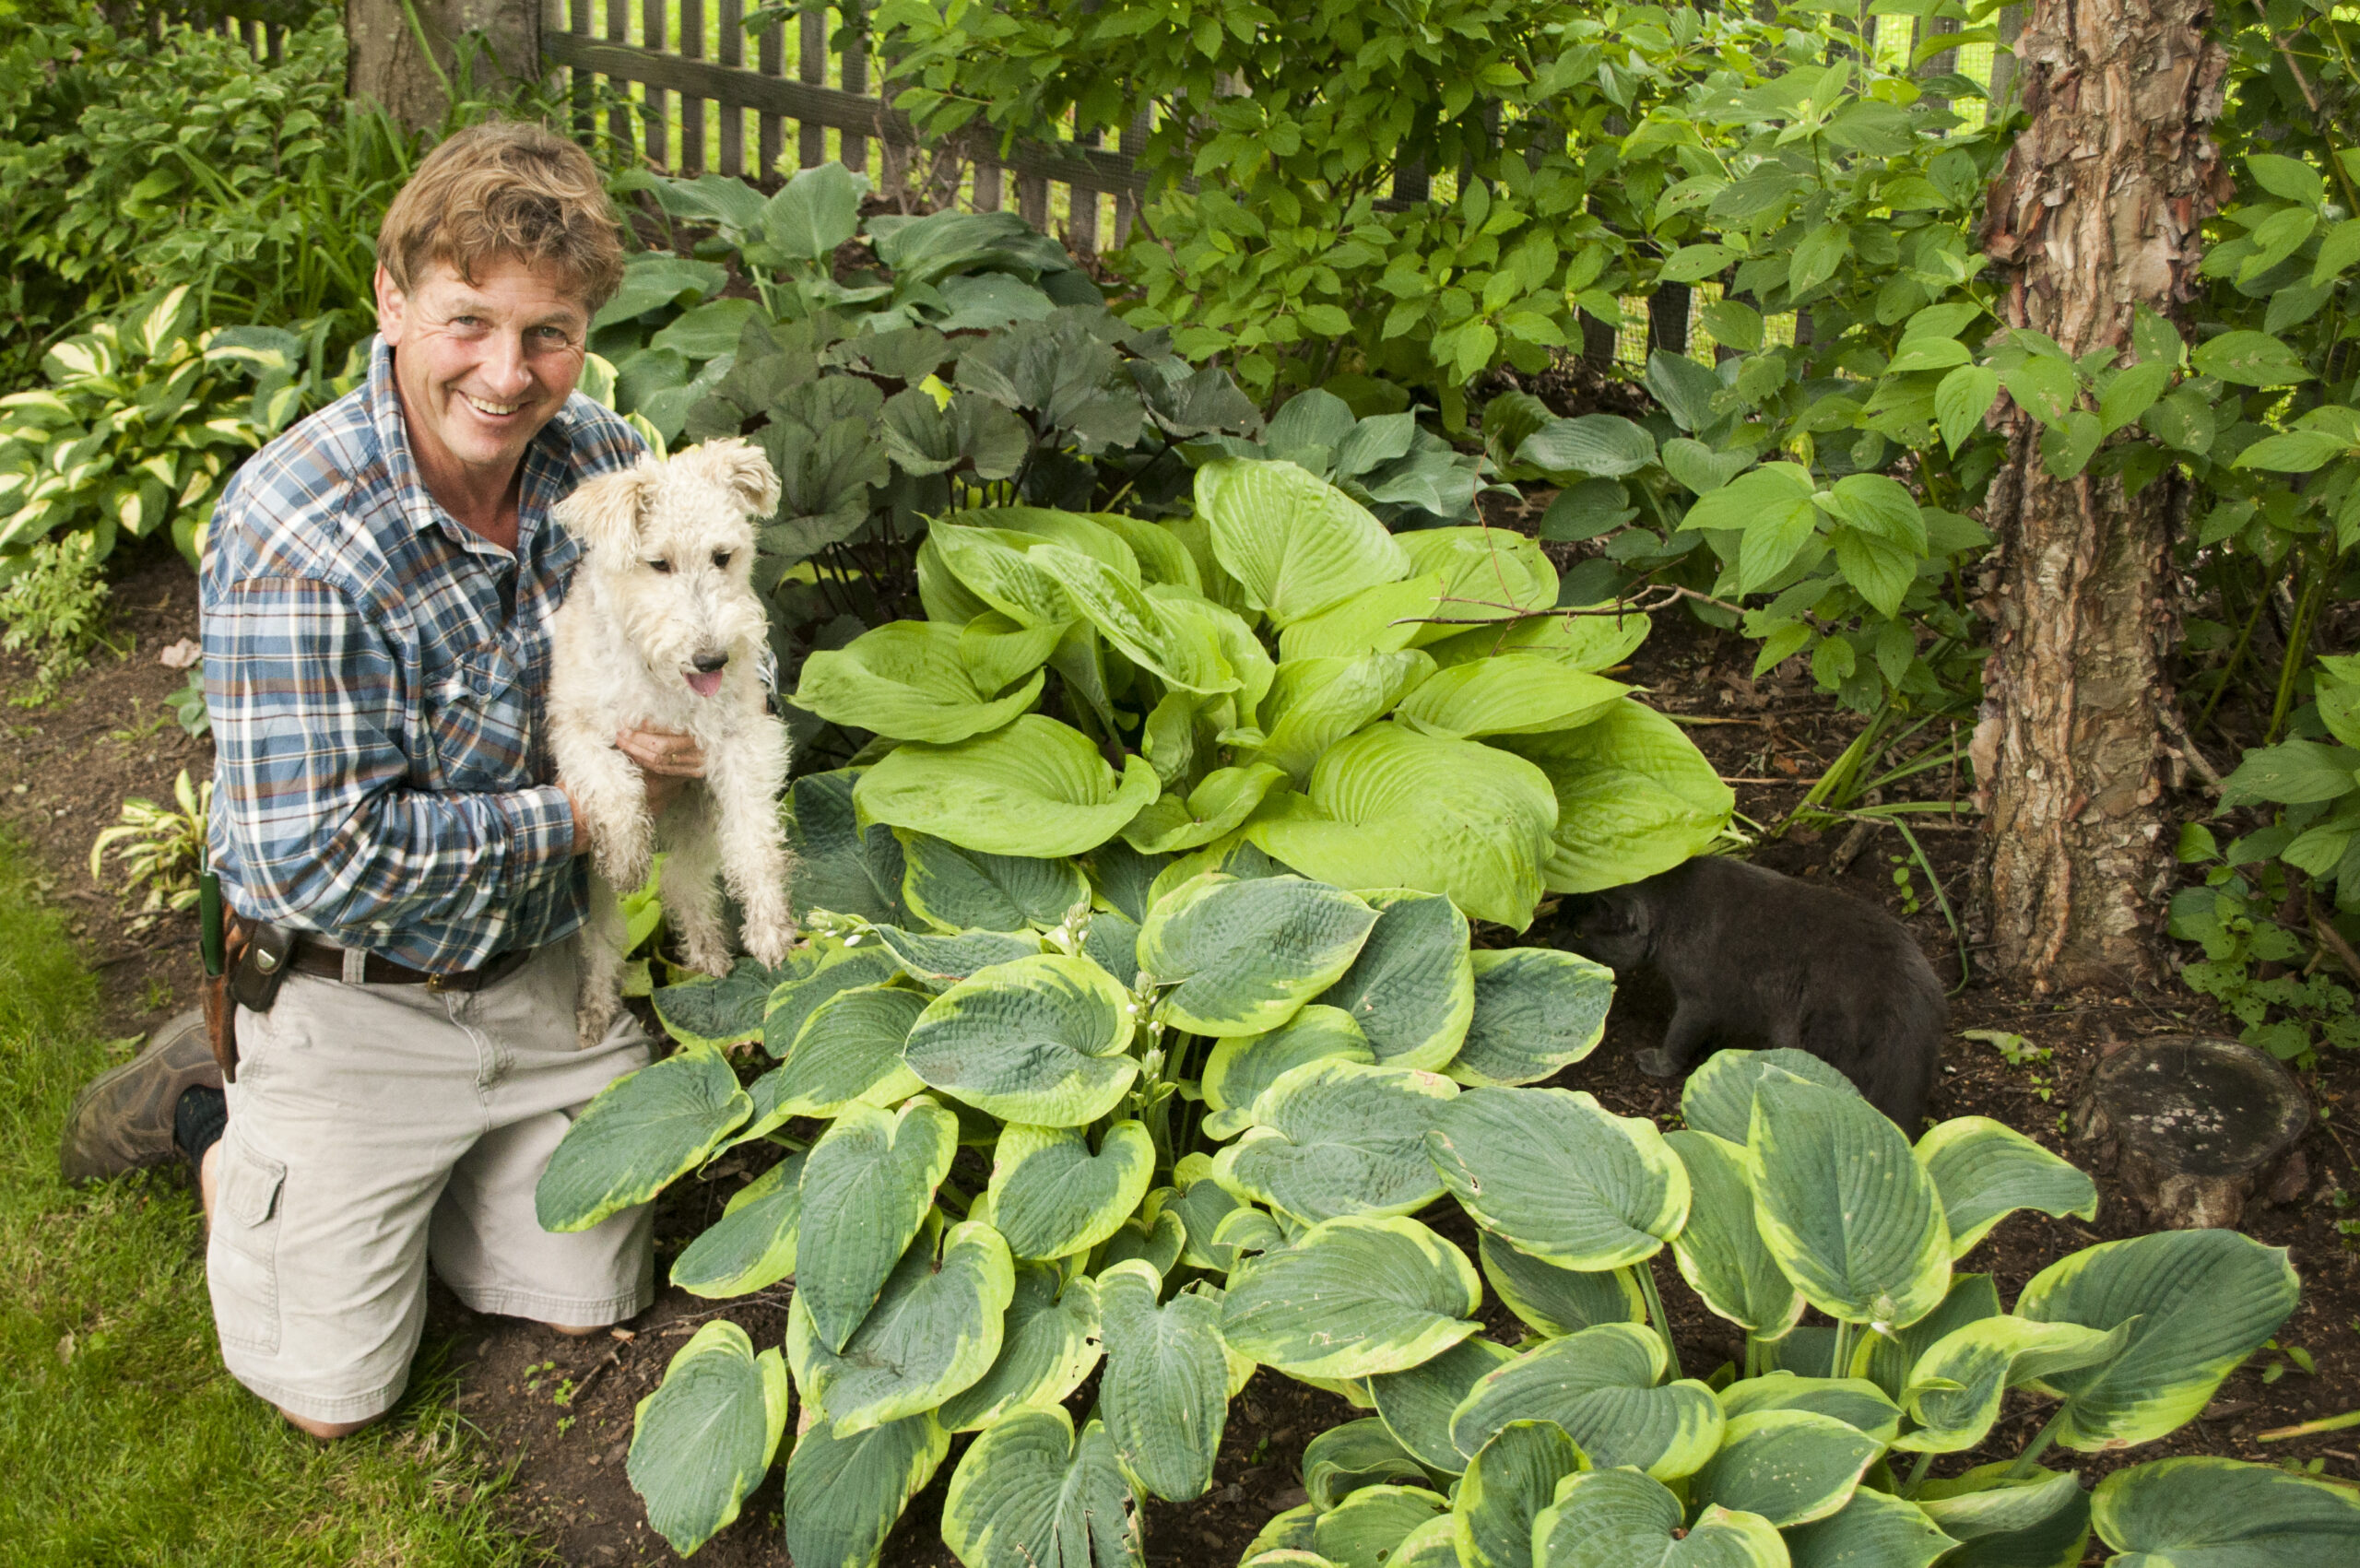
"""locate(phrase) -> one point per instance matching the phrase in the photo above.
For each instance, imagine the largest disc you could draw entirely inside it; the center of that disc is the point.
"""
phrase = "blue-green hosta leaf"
(1333, 1137)
(1971, 1299)
(938, 961)
(1368, 1527)
(2208, 1513)
(1564, 1179)
(1412, 990)
(907, 679)
(1173, 648)
(1855, 1401)
(1789, 1465)
(1985, 1171)
(1352, 1298)
(841, 864)
(1619, 1519)
(1201, 1203)
(1605, 446)
(1241, 956)
(2203, 1301)
(1875, 1529)
(1294, 543)
(1603, 1387)
(850, 1048)
(1032, 1494)
(1508, 1482)
(641, 1131)
(706, 1011)
(1052, 1197)
(1955, 1387)
(935, 1330)
(1155, 1240)
(1718, 1096)
(867, 1185)
(1578, 641)
(960, 889)
(704, 1438)
(1314, 703)
(1345, 1459)
(1039, 1039)
(1416, 1404)
(2040, 1520)
(1215, 807)
(1720, 1251)
(1843, 1205)
(1048, 1345)
(844, 1491)
(751, 1246)
(1242, 1067)
(1111, 940)
(1164, 1393)
(1634, 797)
(1557, 1301)
(1285, 1541)
(1537, 1009)
(793, 1001)
(1033, 787)
(1508, 694)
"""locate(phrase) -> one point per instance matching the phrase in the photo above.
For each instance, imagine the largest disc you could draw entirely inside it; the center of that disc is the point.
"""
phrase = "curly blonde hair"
(506, 188)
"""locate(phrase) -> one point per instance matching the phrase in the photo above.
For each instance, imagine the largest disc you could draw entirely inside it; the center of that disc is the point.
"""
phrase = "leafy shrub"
(56, 606)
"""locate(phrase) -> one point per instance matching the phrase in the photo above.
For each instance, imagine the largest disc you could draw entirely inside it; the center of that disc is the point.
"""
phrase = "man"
(376, 600)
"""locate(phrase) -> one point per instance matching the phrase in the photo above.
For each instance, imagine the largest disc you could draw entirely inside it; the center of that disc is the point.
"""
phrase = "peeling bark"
(387, 63)
(2096, 213)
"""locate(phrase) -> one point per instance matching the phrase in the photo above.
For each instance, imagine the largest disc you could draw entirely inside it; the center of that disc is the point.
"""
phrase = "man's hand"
(667, 760)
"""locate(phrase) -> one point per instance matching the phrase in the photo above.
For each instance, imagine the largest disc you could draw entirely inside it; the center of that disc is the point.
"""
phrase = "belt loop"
(356, 966)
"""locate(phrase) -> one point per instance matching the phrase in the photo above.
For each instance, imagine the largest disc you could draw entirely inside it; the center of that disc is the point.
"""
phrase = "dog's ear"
(744, 470)
(604, 512)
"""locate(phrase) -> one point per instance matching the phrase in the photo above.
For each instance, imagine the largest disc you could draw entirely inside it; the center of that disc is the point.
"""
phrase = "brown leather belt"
(317, 958)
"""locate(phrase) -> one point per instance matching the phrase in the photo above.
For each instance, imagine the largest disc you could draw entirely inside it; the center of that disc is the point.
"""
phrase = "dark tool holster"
(254, 963)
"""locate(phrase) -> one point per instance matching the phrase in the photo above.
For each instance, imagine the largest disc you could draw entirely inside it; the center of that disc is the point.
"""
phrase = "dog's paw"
(1656, 1063)
(706, 956)
(624, 862)
(769, 942)
(591, 1022)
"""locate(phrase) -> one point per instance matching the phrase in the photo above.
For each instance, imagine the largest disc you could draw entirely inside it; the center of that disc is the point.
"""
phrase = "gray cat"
(1753, 958)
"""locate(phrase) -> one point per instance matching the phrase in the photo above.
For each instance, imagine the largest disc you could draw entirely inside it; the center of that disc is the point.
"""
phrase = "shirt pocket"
(480, 718)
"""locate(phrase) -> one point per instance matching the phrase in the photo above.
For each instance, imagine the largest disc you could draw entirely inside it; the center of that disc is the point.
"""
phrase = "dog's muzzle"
(706, 680)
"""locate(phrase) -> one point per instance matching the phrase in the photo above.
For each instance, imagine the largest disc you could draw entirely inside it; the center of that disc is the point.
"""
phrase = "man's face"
(481, 366)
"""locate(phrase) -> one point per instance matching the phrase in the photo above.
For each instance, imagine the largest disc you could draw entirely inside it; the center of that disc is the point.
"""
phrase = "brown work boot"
(123, 1120)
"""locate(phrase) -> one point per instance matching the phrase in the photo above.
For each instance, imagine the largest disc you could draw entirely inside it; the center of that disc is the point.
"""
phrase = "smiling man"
(377, 599)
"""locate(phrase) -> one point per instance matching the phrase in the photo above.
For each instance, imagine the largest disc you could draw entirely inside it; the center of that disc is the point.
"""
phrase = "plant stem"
(2036, 1447)
(1917, 1474)
(1646, 1278)
(1840, 1364)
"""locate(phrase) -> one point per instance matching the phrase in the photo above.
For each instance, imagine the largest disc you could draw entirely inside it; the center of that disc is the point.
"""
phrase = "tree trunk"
(2096, 213)
(387, 64)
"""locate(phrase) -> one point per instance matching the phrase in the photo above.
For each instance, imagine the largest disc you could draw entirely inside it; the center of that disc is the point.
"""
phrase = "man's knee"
(327, 1432)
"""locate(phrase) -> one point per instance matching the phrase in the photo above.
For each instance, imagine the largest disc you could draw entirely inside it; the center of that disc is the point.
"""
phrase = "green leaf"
(1314, 703)
(1241, 956)
(2292, 452)
(935, 1330)
(640, 1132)
(1334, 1137)
(1562, 1178)
(2294, 773)
(814, 213)
(1351, 1298)
(1985, 1171)
(958, 890)
(655, 279)
(939, 962)
(1242, 1067)
(1720, 1251)
(1955, 1387)
(1035, 788)
(704, 1438)
(1169, 644)
(1754, 499)
(1159, 1243)
(1927, 354)
(1604, 447)
(1164, 1393)
(844, 1492)
(1874, 1530)
(2206, 1513)
(1415, 1403)
(1718, 1096)
(751, 1246)
(911, 680)
(867, 1185)
(1537, 1010)
(2132, 393)
(1620, 1519)
(1039, 1039)
(817, 974)
(2289, 178)
(1052, 1197)
(1855, 1401)
(1212, 810)
(1790, 1467)
(1557, 1301)
(1508, 694)
(1816, 257)
(2041, 1520)
(1031, 1494)
(1366, 1528)
(849, 1048)
(1603, 1386)
(2248, 359)
(1294, 543)
(839, 866)
(1487, 574)
(1634, 797)
(1345, 1459)
(1971, 1298)
(1412, 989)
(1508, 1482)
(717, 1013)
(1048, 1345)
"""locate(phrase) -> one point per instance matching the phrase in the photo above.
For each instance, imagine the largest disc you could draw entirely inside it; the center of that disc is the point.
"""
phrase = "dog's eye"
(663, 566)
(721, 559)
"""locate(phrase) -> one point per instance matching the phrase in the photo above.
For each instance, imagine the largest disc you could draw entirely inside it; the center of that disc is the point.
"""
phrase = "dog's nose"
(707, 662)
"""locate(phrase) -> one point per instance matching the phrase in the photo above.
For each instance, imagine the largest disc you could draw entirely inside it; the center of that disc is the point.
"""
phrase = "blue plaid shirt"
(377, 676)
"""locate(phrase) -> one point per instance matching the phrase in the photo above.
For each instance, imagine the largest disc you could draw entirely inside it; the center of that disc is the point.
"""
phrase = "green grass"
(122, 1439)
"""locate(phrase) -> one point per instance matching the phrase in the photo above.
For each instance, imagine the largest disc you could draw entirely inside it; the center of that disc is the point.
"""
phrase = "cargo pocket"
(243, 1263)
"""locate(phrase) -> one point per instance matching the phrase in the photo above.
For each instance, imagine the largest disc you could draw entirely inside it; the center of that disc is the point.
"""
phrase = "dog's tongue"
(706, 682)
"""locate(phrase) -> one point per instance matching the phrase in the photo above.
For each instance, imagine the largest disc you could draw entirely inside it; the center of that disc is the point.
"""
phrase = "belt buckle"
(437, 983)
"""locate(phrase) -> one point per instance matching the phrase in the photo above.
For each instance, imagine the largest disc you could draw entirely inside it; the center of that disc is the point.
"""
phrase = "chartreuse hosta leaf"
(1508, 694)
(1216, 806)
(2040, 1520)
(843, 1491)
(1334, 1137)
(1345, 1459)
(1412, 990)
(1415, 1405)
(1048, 1344)
(1171, 647)
(1485, 571)
(1033, 787)
(1718, 1096)
(995, 566)
(908, 679)
(1557, 1301)
(1508, 1482)
(1164, 1392)
(1040, 1039)
(1243, 955)
(1536, 1011)
(1847, 1211)
(704, 1438)
(1031, 1494)
(1720, 1251)
(1601, 1386)
(705, 1011)
(1633, 797)
(934, 1329)
(1619, 1519)
(867, 1185)
(2203, 1301)
(1365, 1530)
(1875, 1529)
(751, 1246)
(1564, 1179)
(1314, 703)
(1855, 1401)
(1052, 1197)
(1985, 1171)
(1955, 1390)
(1242, 1067)
(1383, 619)
(641, 1131)
(1789, 1465)
(937, 962)
(963, 889)
(2206, 1513)
(1352, 1298)
(1296, 544)
(1578, 641)
(849, 1048)
(792, 1002)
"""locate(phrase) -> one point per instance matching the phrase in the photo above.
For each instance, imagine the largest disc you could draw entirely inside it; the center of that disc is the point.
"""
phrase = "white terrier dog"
(662, 630)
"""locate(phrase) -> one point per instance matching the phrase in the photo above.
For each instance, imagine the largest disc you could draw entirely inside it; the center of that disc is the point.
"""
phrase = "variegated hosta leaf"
(751, 1246)
(1032, 1494)
(2041, 1520)
(867, 1185)
(705, 1011)
(1242, 956)
(938, 961)
(1875, 1529)
(1718, 1096)
(810, 984)
(1201, 1204)
(1241, 1068)
(1845, 1207)
(1789, 1465)
(1416, 1404)
(1351, 1298)
(1155, 1240)
(1412, 990)
(1619, 1519)
(1508, 1482)
(1440, 1542)
(1365, 1530)
(1048, 1344)
(1536, 1011)
(1345, 1459)
(2208, 1513)
(1039, 1039)
(1111, 940)
(963, 889)
(1051, 1197)
(1554, 1300)
(2203, 1301)
(1855, 1401)
(910, 679)
(844, 1491)
(1334, 1137)
(849, 1048)
(1971, 1298)
(1559, 1175)
(1955, 1388)
(1164, 1393)
(1720, 1251)
(1287, 1537)
(1601, 1387)
(1985, 1171)
(704, 1438)
(935, 1330)
(641, 1131)
(841, 864)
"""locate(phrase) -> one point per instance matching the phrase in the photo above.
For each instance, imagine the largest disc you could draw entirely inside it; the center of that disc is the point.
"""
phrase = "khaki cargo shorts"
(374, 1127)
